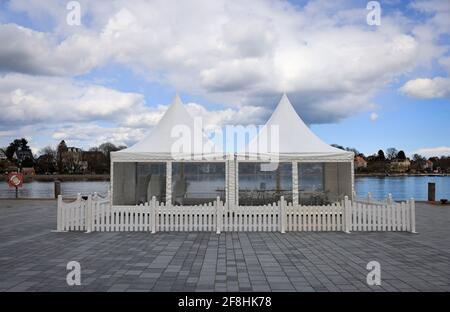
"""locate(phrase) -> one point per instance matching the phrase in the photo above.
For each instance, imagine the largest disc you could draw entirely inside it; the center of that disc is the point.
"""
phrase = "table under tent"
(302, 168)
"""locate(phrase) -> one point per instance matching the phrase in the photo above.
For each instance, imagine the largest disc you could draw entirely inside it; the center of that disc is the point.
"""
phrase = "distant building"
(360, 162)
(76, 150)
(46, 164)
(427, 165)
(72, 160)
(28, 174)
(12, 169)
(22, 155)
(2, 155)
(399, 166)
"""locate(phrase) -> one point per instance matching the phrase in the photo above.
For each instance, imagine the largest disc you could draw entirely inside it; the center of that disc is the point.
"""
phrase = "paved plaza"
(32, 258)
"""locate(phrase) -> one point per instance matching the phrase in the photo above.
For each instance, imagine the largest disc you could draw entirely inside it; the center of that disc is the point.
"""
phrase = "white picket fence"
(96, 214)
(81, 214)
(368, 199)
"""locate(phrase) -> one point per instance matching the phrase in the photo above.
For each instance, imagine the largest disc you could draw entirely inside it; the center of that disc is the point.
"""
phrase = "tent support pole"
(236, 183)
(168, 182)
(352, 173)
(233, 192)
(294, 183)
(227, 181)
(111, 181)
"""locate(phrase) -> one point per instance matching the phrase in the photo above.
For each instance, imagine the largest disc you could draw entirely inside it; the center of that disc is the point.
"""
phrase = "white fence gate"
(95, 213)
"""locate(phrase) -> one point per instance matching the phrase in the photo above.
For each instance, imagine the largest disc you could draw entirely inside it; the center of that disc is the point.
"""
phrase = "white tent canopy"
(310, 170)
(164, 140)
(284, 136)
(287, 136)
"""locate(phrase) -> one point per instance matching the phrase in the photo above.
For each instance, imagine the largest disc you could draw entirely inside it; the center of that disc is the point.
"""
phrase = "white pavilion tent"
(302, 167)
(175, 146)
(162, 141)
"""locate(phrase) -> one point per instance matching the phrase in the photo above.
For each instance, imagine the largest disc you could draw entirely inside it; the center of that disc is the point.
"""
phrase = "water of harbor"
(40, 189)
(401, 188)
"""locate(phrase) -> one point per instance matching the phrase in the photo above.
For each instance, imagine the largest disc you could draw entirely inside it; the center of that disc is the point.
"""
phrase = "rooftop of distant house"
(74, 149)
(23, 153)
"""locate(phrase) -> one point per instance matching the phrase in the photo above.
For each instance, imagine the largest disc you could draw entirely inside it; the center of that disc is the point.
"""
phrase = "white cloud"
(373, 116)
(323, 52)
(244, 54)
(433, 151)
(445, 62)
(35, 52)
(136, 126)
(88, 134)
(244, 115)
(28, 99)
(425, 88)
(89, 114)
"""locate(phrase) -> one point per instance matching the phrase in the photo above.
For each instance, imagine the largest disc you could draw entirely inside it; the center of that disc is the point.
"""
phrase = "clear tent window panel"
(197, 183)
(324, 182)
(151, 181)
(136, 183)
(264, 183)
(311, 184)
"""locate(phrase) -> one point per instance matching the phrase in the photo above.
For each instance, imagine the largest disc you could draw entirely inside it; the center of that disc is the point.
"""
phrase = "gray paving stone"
(32, 258)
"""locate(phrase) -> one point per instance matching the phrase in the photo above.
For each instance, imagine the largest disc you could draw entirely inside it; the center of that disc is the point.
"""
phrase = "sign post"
(15, 179)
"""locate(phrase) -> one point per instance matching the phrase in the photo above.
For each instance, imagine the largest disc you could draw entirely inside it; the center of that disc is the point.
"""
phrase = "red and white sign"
(15, 179)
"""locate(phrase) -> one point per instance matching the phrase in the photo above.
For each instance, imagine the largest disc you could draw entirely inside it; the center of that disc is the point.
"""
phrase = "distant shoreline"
(402, 175)
(66, 177)
(106, 177)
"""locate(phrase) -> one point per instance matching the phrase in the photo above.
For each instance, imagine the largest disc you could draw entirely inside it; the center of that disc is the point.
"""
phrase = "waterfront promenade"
(32, 258)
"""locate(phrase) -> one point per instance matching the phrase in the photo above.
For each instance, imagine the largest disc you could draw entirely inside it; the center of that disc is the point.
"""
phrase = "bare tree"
(48, 150)
(417, 157)
(391, 153)
(401, 155)
(62, 148)
(106, 149)
(72, 162)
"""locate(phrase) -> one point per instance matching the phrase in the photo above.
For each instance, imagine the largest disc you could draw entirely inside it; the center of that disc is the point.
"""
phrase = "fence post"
(74, 216)
(431, 192)
(369, 197)
(412, 207)
(389, 199)
(219, 212)
(282, 215)
(57, 188)
(88, 214)
(153, 214)
(59, 217)
(347, 215)
(353, 195)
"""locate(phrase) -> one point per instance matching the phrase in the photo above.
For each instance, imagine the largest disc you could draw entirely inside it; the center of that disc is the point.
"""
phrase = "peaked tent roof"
(295, 141)
(295, 138)
(160, 141)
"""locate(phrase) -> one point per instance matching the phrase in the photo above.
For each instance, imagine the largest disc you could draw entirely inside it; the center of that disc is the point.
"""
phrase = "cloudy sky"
(111, 77)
